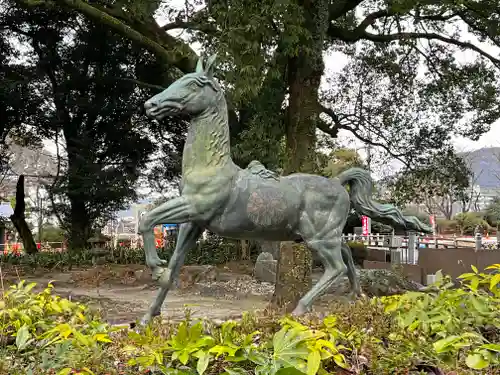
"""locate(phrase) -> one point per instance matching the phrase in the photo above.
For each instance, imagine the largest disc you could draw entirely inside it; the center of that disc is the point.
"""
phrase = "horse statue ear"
(199, 66)
(210, 66)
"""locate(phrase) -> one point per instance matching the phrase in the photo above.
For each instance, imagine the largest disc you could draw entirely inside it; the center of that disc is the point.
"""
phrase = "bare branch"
(371, 18)
(380, 38)
(437, 17)
(338, 125)
(142, 84)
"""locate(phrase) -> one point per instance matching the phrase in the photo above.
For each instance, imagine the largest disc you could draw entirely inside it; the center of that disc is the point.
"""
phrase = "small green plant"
(452, 321)
(447, 327)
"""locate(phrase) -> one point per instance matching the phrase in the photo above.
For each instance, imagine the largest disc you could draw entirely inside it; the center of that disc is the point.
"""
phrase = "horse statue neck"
(207, 143)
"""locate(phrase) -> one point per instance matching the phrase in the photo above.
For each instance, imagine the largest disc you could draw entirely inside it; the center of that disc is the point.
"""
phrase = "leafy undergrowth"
(445, 329)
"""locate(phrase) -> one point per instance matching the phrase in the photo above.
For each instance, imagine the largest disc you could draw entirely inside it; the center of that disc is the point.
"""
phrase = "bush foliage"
(214, 250)
(445, 327)
(467, 223)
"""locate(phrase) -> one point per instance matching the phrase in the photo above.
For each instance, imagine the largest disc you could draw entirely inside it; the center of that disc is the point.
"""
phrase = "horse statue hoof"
(161, 274)
(145, 320)
(299, 310)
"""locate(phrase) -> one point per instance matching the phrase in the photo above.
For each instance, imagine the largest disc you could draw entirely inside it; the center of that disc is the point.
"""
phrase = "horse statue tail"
(360, 190)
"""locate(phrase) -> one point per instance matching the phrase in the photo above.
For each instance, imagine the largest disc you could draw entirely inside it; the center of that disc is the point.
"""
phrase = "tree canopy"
(81, 91)
(438, 184)
(404, 89)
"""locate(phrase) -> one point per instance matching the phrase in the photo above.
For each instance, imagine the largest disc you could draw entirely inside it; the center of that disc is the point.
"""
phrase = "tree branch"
(437, 17)
(380, 38)
(371, 18)
(192, 25)
(141, 83)
(338, 8)
(338, 125)
(165, 46)
(476, 27)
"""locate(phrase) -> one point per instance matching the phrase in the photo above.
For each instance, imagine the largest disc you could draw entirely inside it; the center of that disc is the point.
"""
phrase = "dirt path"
(126, 303)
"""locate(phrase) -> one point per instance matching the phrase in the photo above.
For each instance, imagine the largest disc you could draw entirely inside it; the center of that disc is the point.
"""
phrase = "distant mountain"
(485, 164)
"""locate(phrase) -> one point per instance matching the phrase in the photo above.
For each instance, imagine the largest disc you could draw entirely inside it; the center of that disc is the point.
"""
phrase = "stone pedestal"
(270, 247)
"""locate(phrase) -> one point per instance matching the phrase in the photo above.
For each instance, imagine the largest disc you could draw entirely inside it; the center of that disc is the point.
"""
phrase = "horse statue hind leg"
(323, 219)
(321, 224)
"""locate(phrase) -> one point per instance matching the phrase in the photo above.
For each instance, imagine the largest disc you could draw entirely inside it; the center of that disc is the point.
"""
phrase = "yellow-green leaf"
(339, 360)
(313, 362)
(494, 281)
(474, 268)
(22, 337)
(492, 347)
(466, 275)
(203, 361)
(102, 337)
(440, 346)
(65, 371)
(495, 266)
(476, 361)
(184, 357)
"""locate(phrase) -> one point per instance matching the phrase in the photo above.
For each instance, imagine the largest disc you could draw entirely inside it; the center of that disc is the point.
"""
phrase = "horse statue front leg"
(174, 211)
(186, 240)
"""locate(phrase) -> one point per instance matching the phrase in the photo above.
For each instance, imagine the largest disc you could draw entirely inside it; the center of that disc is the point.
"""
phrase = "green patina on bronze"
(251, 203)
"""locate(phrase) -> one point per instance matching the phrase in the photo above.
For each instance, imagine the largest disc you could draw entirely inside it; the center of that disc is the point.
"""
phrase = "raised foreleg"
(186, 240)
(174, 211)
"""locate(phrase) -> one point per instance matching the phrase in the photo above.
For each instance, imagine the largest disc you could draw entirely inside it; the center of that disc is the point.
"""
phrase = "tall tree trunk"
(80, 224)
(304, 77)
(18, 218)
(302, 116)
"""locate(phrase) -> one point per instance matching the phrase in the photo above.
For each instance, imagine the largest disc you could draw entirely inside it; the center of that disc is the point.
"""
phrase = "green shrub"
(468, 221)
(214, 250)
(359, 252)
(458, 327)
(445, 327)
(446, 226)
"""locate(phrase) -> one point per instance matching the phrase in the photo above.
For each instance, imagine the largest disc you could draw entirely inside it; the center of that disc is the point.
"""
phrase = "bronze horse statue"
(251, 203)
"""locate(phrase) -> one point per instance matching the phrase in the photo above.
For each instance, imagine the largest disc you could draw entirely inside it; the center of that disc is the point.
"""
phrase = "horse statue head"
(192, 94)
